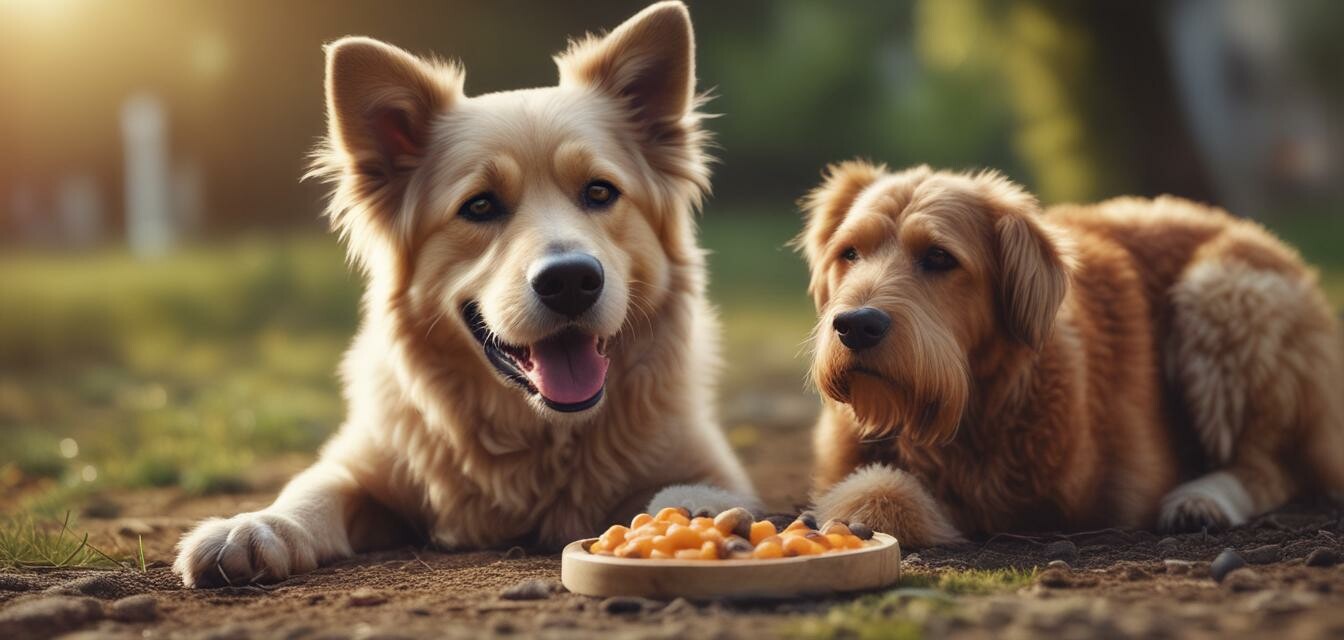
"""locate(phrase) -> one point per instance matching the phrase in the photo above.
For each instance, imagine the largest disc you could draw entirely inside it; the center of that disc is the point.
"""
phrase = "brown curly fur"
(1074, 368)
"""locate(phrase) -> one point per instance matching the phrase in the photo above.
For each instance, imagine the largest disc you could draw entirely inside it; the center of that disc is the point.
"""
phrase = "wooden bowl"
(876, 565)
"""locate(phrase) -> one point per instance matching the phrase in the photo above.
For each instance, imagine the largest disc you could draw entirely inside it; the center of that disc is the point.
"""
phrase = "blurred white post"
(149, 223)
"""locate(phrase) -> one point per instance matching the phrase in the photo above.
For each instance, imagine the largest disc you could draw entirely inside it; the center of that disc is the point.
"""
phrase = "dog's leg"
(891, 501)
(306, 526)
(1257, 353)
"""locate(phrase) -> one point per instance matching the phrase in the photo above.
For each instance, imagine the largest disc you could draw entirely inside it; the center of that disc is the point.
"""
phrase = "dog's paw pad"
(244, 549)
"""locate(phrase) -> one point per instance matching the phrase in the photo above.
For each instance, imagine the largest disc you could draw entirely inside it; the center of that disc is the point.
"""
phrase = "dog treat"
(733, 534)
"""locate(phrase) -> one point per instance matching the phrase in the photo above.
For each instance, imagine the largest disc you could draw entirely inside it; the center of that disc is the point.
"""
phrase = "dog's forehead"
(530, 124)
(510, 139)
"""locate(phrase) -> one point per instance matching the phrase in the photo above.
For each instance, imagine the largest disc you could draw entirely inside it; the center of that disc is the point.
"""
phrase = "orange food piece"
(836, 541)
(599, 547)
(711, 534)
(659, 555)
(797, 525)
(615, 535)
(709, 551)
(761, 530)
(687, 554)
(664, 545)
(683, 537)
(641, 520)
(673, 515)
(700, 524)
(767, 550)
(800, 546)
(636, 547)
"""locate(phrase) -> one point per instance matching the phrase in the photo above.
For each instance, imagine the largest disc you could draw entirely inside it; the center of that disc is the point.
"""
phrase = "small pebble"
(703, 512)
(529, 590)
(1322, 557)
(1058, 564)
(514, 553)
(808, 518)
(1226, 562)
(141, 608)
(626, 605)
(863, 531)
(678, 607)
(48, 617)
(1244, 579)
(1054, 578)
(366, 597)
(1266, 554)
(1064, 550)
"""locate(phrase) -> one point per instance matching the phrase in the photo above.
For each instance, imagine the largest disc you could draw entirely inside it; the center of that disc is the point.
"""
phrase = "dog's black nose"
(568, 283)
(861, 328)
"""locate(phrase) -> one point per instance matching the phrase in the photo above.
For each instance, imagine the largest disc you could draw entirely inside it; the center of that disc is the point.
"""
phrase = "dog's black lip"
(497, 353)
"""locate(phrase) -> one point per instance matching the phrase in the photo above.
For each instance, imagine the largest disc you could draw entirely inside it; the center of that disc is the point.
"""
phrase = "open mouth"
(567, 370)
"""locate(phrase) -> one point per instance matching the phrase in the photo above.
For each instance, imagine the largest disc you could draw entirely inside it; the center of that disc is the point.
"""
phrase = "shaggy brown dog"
(536, 353)
(988, 367)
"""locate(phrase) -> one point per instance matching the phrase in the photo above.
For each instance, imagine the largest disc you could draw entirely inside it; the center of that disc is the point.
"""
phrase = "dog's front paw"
(890, 501)
(1215, 501)
(702, 499)
(247, 548)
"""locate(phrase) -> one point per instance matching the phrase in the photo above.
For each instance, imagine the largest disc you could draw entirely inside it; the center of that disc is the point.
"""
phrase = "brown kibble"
(736, 521)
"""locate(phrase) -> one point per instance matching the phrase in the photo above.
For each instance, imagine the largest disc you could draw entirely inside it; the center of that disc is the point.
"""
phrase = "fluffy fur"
(1131, 363)
(438, 445)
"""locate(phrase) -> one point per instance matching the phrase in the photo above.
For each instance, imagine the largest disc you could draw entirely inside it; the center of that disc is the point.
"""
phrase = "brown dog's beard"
(926, 410)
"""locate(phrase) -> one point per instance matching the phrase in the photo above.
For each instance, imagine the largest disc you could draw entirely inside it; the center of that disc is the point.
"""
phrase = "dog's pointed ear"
(381, 102)
(825, 207)
(1035, 267)
(649, 61)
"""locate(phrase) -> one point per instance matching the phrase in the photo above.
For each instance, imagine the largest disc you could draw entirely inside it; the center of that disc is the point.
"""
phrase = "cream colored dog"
(536, 353)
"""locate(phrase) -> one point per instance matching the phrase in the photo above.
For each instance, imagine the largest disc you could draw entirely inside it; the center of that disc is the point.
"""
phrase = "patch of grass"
(970, 582)
(901, 613)
(184, 371)
(26, 543)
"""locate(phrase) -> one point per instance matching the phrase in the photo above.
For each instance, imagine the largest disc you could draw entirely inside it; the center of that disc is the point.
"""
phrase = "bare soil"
(1109, 583)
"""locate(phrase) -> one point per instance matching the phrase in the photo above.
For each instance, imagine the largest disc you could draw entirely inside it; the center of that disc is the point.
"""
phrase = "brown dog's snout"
(861, 328)
(567, 283)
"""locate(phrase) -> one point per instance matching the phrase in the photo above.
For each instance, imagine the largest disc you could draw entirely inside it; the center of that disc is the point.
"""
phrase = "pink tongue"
(567, 369)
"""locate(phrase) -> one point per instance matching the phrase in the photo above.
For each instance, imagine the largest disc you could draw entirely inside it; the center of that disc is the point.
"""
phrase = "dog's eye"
(599, 194)
(850, 254)
(481, 207)
(937, 259)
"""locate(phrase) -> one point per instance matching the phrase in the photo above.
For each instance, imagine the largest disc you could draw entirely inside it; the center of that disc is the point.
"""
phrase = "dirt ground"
(1103, 584)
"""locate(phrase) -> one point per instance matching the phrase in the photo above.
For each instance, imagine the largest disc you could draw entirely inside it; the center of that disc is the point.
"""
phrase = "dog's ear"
(381, 102)
(648, 61)
(825, 207)
(1034, 271)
